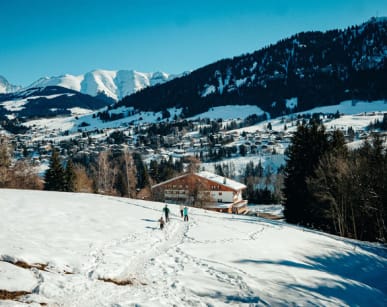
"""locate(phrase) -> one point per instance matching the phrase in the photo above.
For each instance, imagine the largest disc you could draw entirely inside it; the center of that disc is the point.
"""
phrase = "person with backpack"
(185, 213)
(166, 212)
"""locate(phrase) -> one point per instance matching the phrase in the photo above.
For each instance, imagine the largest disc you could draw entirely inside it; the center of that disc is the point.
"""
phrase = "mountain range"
(69, 94)
(306, 70)
(114, 84)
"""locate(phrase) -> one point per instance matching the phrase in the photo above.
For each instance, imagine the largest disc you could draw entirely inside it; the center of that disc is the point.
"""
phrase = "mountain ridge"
(312, 68)
(47, 102)
(114, 84)
(6, 87)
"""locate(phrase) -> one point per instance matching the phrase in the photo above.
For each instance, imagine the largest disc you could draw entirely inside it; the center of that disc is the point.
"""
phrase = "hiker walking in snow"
(185, 213)
(161, 220)
(166, 212)
(181, 210)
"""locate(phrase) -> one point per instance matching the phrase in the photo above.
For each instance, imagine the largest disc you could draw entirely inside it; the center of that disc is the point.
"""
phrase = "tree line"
(120, 173)
(334, 189)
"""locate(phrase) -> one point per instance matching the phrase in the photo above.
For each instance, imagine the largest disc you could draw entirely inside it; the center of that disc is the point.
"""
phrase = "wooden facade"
(204, 190)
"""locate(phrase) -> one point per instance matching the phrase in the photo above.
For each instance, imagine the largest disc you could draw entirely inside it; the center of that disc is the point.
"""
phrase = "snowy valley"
(108, 137)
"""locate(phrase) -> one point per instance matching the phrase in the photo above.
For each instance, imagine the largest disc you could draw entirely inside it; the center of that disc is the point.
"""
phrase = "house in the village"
(203, 189)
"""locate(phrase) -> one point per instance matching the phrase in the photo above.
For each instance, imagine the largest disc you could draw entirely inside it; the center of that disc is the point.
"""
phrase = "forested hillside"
(316, 68)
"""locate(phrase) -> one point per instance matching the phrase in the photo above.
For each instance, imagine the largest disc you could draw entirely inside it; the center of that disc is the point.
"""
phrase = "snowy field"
(212, 260)
(229, 112)
(357, 115)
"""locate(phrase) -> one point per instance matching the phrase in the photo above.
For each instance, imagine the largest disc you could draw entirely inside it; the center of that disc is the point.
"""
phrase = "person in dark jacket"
(181, 210)
(166, 212)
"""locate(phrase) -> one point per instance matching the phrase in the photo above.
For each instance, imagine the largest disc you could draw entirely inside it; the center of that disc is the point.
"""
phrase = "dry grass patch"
(12, 295)
(117, 282)
(127, 282)
(25, 265)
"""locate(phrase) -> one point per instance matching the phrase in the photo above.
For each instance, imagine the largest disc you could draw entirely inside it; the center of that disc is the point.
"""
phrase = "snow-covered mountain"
(6, 87)
(82, 256)
(311, 68)
(50, 101)
(115, 84)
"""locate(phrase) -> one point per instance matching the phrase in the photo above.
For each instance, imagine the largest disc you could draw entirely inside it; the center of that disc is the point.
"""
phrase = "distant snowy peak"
(112, 83)
(6, 87)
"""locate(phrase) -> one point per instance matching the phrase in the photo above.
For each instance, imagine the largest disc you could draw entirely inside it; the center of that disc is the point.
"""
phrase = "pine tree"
(308, 145)
(141, 171)
(120, 184)
(54, 177)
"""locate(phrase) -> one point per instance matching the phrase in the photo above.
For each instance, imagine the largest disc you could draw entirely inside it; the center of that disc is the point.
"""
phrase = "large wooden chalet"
(203, 189)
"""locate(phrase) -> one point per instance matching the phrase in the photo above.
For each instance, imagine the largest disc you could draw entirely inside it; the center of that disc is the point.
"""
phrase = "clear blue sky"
(54, 37)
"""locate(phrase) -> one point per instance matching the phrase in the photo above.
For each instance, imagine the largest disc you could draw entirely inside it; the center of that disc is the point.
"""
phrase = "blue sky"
(49, 38)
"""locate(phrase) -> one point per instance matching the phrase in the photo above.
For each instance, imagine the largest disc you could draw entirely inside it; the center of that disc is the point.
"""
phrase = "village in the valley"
(212, 143)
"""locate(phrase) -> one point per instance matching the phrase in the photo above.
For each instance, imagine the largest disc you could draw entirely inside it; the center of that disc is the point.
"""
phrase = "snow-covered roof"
(222, 180)
(169, 180)
(232, 184)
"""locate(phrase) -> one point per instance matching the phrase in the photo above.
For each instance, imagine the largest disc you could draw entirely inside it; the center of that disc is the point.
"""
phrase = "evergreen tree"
(154, 170)
(383, 125)
(55, 176)
(120, 184)
(141, 172)
(309, 143)
(242, 150)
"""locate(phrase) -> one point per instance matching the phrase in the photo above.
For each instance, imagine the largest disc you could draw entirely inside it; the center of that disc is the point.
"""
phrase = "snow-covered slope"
(6, 87)
(306, 70)
(50, 101)
(115, 84)
(212, 260)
